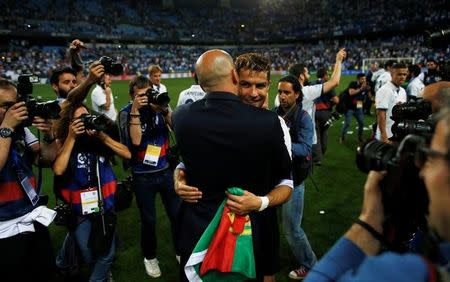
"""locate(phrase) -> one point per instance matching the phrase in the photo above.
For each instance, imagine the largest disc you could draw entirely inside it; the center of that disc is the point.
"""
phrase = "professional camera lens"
(403, 128)
(95, 122)
(374, 155)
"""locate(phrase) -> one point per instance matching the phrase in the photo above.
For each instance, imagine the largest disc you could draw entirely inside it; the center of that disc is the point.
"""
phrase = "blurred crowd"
(20, 56)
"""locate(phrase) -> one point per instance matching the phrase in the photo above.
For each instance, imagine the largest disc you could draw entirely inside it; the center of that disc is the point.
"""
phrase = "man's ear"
(235, 77)
(55, 87)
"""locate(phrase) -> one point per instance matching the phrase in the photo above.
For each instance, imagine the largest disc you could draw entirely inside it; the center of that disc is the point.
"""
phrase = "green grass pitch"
(329, 210)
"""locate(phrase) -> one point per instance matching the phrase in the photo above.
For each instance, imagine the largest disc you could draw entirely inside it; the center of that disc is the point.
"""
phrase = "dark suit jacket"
(225, 143)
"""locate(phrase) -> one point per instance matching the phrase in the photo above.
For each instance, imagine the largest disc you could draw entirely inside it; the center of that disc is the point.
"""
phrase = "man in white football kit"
(415, 85)
(103, 100)
(192, 94)
(383, 76)
(386, 98)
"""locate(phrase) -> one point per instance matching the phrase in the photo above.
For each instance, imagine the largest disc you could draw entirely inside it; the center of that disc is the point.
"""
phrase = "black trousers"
(320, 147)
(27, 256)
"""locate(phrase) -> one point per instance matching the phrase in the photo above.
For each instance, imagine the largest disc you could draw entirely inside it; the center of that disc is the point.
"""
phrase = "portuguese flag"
(225, 250)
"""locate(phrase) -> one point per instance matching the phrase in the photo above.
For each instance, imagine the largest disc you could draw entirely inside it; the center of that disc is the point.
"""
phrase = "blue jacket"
(346, 262)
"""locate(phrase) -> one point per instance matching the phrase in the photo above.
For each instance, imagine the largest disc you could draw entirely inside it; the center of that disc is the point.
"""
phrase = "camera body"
(413, 117)
(405, 199)
(45, 110)
(112, 67)
(95, 122)
(160, 99)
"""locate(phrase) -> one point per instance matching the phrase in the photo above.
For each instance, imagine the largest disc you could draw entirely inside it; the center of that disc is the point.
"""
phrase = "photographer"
(357, 90)
(355, 257)
(144, 130)
(24, 237)
(85, 180)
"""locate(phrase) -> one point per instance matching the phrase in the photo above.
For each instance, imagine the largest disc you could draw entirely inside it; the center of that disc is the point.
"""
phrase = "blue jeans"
(146, 186)
(359, 115)
(292, 219)
(101, 264)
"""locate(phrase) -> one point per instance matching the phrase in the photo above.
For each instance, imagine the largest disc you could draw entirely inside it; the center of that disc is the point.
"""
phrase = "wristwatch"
(5, 132)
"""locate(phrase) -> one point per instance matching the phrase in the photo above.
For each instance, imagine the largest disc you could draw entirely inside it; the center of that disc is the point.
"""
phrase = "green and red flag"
(225, 250)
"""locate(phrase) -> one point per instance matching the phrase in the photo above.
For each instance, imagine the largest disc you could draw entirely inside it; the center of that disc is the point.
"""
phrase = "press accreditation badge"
(359, 104)
(152, 155)
(89, 201)
(29, 190)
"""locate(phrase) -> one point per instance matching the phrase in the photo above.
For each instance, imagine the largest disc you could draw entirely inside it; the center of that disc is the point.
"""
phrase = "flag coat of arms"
(225, 250)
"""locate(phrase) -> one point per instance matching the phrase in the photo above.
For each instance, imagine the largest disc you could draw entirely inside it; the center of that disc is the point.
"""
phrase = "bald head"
(435, 93)
(216, 72)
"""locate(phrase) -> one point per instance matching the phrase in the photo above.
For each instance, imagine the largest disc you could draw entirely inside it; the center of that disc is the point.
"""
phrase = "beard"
(62, 93)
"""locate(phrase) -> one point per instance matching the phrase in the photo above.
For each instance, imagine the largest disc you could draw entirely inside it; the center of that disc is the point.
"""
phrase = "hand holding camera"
(96, 72)
(15, 115)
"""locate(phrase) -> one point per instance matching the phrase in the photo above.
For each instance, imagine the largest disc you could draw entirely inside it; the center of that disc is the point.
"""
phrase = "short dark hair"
(389, 64)
(253, 62)
(6, 84)
(399, 66)
(139, 82)
(359, 75)
(297, 69)
(54, 78)
(431, 60)
(414, 70)
(321, 72)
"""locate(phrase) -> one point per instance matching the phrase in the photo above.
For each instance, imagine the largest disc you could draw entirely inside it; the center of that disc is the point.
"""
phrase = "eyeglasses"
(424, 153)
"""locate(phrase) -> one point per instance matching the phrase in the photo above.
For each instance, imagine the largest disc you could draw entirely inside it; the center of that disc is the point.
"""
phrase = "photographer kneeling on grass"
(85, 180)
(355, 257)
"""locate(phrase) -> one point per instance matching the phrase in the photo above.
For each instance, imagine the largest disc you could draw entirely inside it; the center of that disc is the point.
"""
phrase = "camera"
(95, 122)
(112, 67)
(45, 110)
(405, 199)
(160, 99)
(413, 117)
(64, 215)
(334, 117)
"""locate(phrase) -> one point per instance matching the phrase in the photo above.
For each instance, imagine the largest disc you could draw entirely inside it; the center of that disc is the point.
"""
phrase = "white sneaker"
(152, 267)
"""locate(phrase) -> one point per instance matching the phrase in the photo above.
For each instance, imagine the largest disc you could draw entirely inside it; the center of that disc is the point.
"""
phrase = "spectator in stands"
(323, 106)
(391, 94)
(192, 94)
(103, 99)
(357, 91)
(415, 84)
(154, 73)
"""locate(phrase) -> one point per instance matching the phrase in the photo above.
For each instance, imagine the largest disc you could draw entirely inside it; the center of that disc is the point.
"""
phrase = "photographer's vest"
(13, 199)
(154, 133)
(81, 175)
